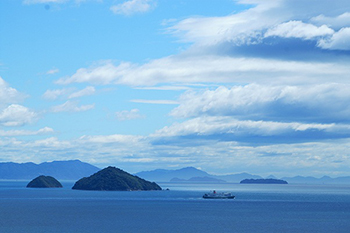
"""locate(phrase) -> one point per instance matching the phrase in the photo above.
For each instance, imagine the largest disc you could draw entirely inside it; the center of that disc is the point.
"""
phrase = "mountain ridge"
(188, 173)
(63, 170)
(76, 169)
(164, 175)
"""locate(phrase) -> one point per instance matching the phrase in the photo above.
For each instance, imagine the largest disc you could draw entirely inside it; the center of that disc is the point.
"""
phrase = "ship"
(216, 195)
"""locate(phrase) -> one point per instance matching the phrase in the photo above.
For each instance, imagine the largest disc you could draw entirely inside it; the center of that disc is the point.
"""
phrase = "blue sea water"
(256, 208)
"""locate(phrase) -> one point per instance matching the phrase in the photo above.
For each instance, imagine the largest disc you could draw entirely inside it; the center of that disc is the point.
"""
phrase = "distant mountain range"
(191, 174)
(75, 169)
(61, 170)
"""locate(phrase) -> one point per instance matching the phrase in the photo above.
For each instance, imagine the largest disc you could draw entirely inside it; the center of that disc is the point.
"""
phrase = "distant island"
(114, 179)
(44, 182)
(263, 181)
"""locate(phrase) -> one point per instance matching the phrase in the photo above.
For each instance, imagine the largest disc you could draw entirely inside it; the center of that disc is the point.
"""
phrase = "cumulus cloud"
(241, 28)
(298, 29)
(128, 115)
(338, 41)
(8, 94)
(132, 7)
(311, 103)
(72, 106)
(285, 19)
(17, 115)
(241, 48)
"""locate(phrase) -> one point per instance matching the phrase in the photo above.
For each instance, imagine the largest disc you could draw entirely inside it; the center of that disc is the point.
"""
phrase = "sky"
(227, 86)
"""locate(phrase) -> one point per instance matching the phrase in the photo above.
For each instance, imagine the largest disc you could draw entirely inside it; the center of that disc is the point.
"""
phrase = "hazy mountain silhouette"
(162, 175)
(191, 173)
(62, 170)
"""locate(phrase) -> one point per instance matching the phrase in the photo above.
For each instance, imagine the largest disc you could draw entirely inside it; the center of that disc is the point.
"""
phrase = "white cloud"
(132, 7)
(272, 102)
(207, 126)
(53, 71)
(8, 94)
(337, 22)
(339, 40)
(154, 101)
(28, 2)
(165, 88)
(204, 62)
(13, 133)
(298, 29)
(282, 18)
(210, 69)
(103, 74)
(240, 28)
(68, 93)
(128, 115)
(17, 115)
(86, 91)
(71, 106)
(55, 94)
(44, 1)
(114, 138)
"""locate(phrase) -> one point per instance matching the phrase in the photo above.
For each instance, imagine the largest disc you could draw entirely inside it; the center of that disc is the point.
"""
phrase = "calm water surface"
(257, 208)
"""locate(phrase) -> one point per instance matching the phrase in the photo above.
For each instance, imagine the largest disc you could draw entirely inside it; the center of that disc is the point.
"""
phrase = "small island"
(263, 181)
(114, 179)
(44, 182)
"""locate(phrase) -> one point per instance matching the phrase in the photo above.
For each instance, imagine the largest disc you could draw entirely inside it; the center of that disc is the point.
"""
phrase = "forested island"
(44, 182)
(263, 181)
(114, 179)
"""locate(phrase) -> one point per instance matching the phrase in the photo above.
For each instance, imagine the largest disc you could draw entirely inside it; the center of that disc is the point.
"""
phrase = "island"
(44, 182)
(114, 179)
(263, 181)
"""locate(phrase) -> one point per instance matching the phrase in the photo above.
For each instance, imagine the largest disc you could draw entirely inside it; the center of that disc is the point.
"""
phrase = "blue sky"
(259, 86)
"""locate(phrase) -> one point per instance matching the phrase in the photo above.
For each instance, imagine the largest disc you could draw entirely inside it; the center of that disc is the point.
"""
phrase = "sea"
(256, 208)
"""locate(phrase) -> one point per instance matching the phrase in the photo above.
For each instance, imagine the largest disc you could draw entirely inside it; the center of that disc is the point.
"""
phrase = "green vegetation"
(114, 179)
(44, 182)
